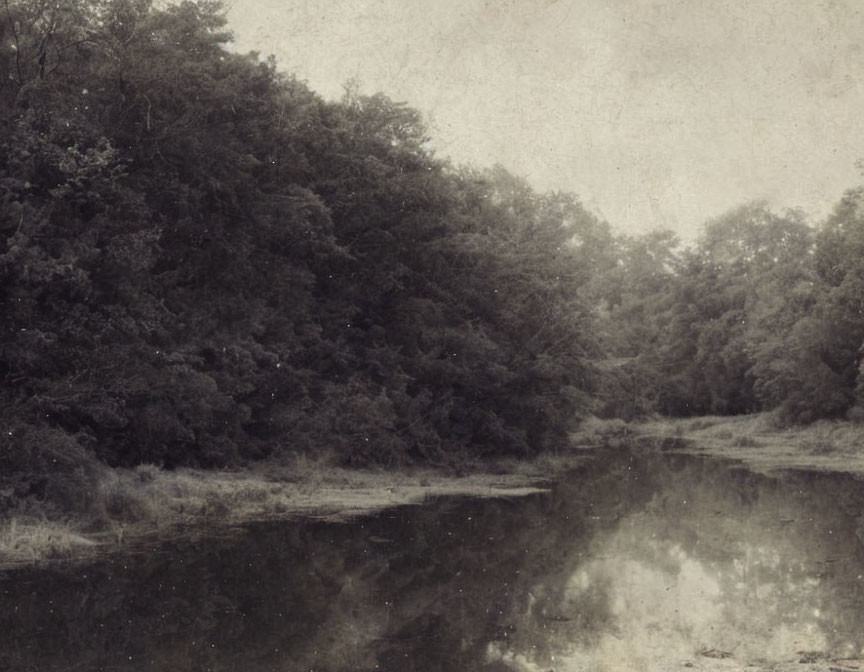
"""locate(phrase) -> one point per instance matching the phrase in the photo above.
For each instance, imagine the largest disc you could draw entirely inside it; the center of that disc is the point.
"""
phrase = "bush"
(39, 449)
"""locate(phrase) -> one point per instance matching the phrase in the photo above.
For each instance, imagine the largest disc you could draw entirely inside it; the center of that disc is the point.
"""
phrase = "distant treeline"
(764, 313)
(203, 262)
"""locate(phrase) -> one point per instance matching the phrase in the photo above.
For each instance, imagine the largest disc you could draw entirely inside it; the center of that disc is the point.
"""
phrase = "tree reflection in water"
(628, 563)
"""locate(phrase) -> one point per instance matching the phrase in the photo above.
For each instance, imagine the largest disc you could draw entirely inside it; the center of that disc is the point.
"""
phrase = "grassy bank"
(826, 445)
(98, 509)
(111, 509)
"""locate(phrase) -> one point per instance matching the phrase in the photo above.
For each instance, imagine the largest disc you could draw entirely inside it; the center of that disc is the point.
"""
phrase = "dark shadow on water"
(628, 563)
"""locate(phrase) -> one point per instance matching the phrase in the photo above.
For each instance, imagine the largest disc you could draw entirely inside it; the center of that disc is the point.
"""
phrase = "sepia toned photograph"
(414, 336)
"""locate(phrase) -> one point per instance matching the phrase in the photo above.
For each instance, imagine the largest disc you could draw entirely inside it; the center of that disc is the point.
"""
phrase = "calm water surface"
(629, 563)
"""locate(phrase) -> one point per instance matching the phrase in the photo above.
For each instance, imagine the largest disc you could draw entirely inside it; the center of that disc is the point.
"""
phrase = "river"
(631, 562)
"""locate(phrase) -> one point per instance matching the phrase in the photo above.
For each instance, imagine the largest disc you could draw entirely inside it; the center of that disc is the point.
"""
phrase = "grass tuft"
(31, 541)
(598, 432)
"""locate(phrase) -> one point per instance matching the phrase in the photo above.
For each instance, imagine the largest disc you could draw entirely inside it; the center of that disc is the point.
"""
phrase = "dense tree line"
(764, 313)
(203, 262)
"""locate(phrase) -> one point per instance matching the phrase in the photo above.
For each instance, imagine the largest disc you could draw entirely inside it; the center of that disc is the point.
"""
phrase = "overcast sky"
(656, 113)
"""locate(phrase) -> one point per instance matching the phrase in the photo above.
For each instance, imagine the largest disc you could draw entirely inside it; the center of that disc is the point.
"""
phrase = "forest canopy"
(203, 262)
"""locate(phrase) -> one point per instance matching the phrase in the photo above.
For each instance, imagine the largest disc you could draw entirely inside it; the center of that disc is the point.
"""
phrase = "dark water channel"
(627, 564)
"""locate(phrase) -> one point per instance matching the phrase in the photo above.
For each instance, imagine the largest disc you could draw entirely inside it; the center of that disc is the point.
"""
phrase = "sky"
(655, 113)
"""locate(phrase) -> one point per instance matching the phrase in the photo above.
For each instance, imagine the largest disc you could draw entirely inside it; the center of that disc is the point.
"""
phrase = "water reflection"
(717, 563)
(628, 564)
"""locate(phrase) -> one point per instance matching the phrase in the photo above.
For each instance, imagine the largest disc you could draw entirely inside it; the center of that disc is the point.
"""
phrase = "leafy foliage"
(202, 262)
(764, 313)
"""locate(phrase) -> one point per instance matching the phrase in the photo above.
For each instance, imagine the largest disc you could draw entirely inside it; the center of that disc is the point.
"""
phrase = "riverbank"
(123, 507)
(111, 509)
(826, 445)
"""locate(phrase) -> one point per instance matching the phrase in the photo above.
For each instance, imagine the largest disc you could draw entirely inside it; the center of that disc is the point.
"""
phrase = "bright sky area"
(656, 113)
